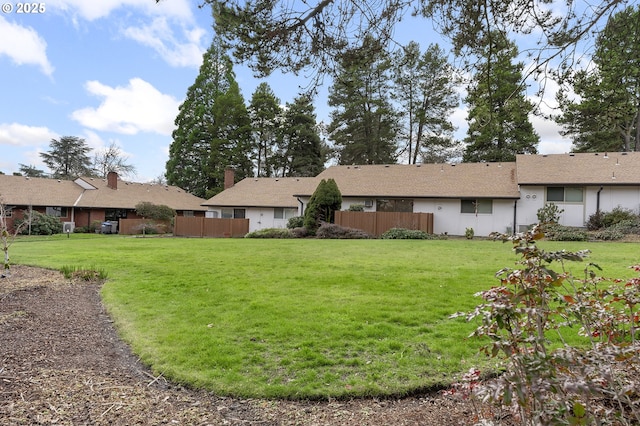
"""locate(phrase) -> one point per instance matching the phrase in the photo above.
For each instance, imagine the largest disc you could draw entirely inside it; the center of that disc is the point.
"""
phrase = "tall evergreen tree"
(68, 158)
(499, 126)
(273, 34)
(266, 122)
(606, 117)
(363, 124)
(425, 87)
(324, 202)
(197, 155)
(305, 154)
(31, 171)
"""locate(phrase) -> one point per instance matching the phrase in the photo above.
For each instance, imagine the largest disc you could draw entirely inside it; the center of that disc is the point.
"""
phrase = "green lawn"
(298, 318)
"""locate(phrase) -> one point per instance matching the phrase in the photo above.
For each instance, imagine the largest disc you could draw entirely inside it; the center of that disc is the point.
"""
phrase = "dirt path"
(61, 362)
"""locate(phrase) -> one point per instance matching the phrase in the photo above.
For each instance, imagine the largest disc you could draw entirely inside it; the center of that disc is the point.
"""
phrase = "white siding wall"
(577, 214)
(259, 218)
(447, 217)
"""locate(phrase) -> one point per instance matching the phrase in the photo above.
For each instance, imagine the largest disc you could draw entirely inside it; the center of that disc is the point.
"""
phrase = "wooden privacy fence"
(210, 227)
(134, 226)
(377, 223)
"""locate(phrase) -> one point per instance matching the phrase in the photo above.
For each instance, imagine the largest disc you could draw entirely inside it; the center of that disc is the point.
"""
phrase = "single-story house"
(84, 201)
(488, 197)
(266, 202)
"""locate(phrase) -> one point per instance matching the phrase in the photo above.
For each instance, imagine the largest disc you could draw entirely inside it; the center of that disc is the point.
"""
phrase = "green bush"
(356, 208)
(550, 213)
(295, 222)
(555, 232)
(322, 205)
(608, 234)
(333, 231)
(404, 234)
(595, 221)
(41, 224)
(155, 211)
(271, 233)
(618, 215)
(469, 233)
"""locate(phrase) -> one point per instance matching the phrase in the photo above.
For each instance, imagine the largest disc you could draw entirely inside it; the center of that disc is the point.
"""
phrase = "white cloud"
(137, 107)
(178, 52)
(24, 46)
(21, 135)
(92, 10)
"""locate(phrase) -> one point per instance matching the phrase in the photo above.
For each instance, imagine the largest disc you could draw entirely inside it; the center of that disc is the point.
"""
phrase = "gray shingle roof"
(19, 190)
(481, 180)
(264, 192)
(580, 169)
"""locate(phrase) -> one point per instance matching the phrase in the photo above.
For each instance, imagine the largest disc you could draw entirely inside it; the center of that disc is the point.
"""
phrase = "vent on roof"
(572, 155)
(623, 153)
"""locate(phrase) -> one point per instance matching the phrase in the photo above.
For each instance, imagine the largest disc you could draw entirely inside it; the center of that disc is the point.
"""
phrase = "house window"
(567, 194)
(233, 213)
(394, 205)
(188, 213)
(56, 211)
(115, 214)
(282, 213)
(481, 205)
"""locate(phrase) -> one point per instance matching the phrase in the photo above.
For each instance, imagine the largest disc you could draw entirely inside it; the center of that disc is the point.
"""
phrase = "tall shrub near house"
(322, 206)
(154, 212)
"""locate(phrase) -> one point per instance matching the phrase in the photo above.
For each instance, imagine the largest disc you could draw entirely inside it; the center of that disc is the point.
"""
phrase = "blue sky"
(115, 71)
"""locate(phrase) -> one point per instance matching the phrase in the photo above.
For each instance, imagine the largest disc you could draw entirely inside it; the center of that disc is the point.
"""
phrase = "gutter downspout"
(515, 209)
(598, 199)
(301, 206)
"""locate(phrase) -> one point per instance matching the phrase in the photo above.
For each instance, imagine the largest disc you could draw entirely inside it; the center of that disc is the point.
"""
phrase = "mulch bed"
(62, 362)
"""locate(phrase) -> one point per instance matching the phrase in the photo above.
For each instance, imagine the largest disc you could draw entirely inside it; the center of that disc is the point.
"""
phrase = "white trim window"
(233, 213)
(565, 194)
(476, 206)
(284, 213)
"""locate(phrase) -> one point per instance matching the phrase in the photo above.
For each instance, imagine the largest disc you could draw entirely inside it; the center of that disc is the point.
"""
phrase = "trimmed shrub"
(300, 232)
(608, 234)
(595, 221)
(404, 234)
(356, 208)
(41, 224)
(333, 231)
(271, 233)
(322, 205)
(550, 213)
(295, 222)
(555, 232)
(618, 215)
(410, 234)
(469, 233)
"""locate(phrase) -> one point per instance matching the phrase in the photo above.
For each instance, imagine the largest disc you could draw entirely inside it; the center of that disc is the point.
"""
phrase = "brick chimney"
(112, 180)
(229, 177)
